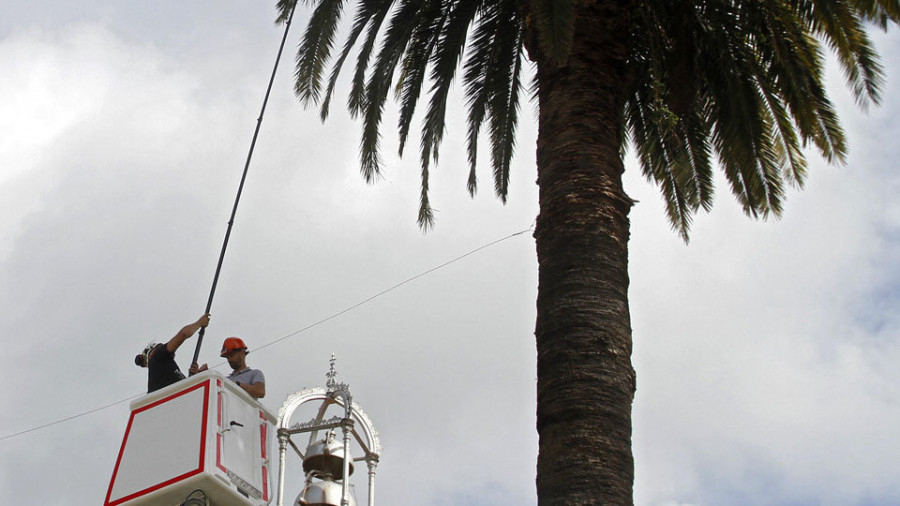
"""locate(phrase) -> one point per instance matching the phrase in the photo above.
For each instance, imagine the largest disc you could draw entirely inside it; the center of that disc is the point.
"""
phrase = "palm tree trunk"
(585, 379)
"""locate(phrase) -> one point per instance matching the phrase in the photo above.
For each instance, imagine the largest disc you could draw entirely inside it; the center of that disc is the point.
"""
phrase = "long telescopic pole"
(237, 198)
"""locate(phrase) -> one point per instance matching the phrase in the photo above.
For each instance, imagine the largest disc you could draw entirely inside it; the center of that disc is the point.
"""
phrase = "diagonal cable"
(292, 334)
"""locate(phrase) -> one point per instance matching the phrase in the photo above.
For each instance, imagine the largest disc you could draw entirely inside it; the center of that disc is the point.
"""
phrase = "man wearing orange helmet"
(251, 380)
(159, 358)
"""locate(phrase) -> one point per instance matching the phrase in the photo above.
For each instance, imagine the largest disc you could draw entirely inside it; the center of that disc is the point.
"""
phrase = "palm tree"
(685, 84)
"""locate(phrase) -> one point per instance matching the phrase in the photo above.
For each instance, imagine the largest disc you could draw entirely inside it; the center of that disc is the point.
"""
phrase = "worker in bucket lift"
(159, 358)
(251, 380)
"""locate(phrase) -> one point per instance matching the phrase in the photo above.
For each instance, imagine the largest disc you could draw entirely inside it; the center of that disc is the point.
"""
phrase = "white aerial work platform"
(203, 433)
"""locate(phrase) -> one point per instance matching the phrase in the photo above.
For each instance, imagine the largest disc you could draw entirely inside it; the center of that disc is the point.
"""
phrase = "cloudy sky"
(766, 352)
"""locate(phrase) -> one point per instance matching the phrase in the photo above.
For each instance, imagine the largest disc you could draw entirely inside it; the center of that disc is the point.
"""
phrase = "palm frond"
(879, 12)
(492, 79)
(374, 12)
(555, 21)
(361, 21)
(738, 81)
(284, 8)
(414, 68)
(840, 24)
(445, 60)
(742, 80)
(504, 76)
(477, 93)
(396, 38)
(315, 50)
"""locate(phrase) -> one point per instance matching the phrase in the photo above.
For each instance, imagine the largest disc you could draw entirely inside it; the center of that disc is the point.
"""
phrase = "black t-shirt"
(163, 371)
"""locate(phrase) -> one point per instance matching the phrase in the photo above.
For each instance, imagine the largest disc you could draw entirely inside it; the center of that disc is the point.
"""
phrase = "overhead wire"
(69, 418)
(394, 287)
(292, 334)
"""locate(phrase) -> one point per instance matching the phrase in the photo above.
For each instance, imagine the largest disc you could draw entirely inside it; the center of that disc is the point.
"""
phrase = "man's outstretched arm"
(186, 332)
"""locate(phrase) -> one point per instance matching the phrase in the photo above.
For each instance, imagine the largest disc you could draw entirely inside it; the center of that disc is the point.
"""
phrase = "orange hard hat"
(231, 344)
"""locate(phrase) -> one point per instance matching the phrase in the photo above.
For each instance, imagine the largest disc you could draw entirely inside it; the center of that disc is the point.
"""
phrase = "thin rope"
(292, 334)
(50, 424)
(398, 285)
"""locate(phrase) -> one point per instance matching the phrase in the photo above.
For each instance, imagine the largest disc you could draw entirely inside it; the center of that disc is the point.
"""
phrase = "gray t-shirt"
(247, 376)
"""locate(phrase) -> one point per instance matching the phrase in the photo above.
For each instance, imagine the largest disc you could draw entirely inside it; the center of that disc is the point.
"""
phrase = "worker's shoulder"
(254, 375)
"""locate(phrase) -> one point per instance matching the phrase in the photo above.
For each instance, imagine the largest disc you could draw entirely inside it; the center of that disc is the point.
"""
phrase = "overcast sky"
(766, 352)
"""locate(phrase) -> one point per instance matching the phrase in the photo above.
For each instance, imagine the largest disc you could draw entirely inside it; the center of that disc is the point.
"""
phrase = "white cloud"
(764, 351)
